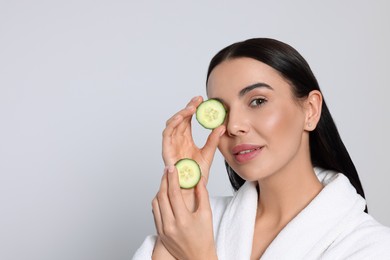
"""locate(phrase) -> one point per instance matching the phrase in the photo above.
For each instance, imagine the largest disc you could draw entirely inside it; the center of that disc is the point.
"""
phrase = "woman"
(297, 192)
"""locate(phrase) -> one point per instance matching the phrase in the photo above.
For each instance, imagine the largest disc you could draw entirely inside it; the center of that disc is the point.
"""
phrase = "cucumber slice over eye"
(211, 113)
(189, 173)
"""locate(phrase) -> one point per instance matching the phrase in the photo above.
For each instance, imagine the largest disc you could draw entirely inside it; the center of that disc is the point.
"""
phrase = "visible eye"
(257, 102)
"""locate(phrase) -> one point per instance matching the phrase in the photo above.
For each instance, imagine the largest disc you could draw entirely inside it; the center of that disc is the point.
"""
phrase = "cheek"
(282, 123)
(273, 122)
(223, 147)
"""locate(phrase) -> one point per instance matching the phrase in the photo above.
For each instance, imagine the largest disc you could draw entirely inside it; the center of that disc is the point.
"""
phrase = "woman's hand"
(183, 216)
(178, 142)
(183, 233)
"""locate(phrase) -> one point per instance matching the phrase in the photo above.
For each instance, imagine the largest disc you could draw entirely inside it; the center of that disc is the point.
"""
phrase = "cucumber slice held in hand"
(189, 173)
(211, 113)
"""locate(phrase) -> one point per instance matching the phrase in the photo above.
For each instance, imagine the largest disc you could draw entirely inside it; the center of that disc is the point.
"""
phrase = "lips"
(245, 152)
(248, 151)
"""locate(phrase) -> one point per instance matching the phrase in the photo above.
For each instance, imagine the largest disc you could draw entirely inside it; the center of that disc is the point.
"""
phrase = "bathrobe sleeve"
(146, 249)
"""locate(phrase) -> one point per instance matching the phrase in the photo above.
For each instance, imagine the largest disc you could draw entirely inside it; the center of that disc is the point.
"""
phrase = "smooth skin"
(262, 112)
(183, 217)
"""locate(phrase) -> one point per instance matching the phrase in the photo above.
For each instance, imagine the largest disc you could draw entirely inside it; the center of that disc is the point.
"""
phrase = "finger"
(212, 141)
(185, 126)
(195, 101)
(171, 125)
(174, 192)
(190, 111)
(157, 216)
(173, 118)
(167, 140)
(156, 213)
(177, 120)
(202, 196)
(185, 111)
(163, 201)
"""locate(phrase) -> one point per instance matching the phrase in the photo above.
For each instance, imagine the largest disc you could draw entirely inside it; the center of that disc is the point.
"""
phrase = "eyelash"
(257, 102)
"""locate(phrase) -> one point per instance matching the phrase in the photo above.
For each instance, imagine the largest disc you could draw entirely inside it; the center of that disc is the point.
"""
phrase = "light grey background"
(86, 87)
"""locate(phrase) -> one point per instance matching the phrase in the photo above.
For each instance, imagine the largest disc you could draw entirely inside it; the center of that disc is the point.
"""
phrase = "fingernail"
(195, 98)
(171, 168)
(189, 107)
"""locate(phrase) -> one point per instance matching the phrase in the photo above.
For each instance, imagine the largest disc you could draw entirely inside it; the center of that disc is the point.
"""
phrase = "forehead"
(238, 73)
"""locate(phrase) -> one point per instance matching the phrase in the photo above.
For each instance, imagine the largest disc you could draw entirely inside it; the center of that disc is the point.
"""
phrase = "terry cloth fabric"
(333, 226)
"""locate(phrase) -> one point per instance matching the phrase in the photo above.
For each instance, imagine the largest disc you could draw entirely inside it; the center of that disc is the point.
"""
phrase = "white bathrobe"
(333, 226)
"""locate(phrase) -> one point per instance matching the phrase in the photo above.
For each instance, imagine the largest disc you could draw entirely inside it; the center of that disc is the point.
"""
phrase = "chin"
(252, 172)
(251, 175)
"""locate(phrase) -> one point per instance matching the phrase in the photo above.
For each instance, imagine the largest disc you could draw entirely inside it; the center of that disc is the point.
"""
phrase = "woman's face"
(264, 125)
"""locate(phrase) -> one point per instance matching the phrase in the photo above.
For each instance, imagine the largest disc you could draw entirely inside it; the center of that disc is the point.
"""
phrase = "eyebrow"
(248, 89)
(253, 86)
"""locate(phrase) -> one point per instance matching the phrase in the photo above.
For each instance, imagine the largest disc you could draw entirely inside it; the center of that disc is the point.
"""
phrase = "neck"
(284, 194)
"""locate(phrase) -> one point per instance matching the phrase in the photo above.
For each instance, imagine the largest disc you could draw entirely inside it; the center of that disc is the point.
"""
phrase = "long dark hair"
(327, 150)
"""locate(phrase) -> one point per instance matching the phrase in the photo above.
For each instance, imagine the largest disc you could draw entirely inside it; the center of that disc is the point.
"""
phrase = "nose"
(237, 124)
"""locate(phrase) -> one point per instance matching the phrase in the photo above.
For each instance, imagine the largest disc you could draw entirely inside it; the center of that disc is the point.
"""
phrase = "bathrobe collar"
(306, 236)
